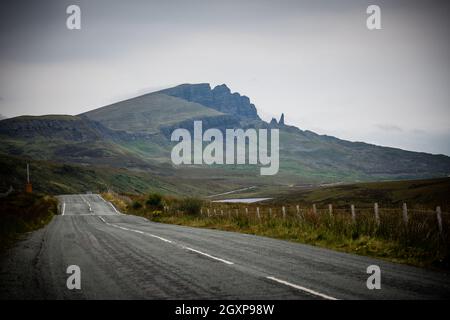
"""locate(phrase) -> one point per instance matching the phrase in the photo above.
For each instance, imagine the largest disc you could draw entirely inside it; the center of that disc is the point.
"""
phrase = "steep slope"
(148, 113)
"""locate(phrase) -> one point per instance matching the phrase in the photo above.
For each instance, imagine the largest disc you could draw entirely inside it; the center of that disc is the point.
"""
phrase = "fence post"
(439, 219)
(330, 209)
(246, 212)
(283, 209)
(201, 211)
(215, 213)
(237, 212)
(352, 209)
(257, 213)
(270, 212)
(377, 215)
(298, 211)
(221, 212)
(405, 213)
(207, 211)
(314, 209)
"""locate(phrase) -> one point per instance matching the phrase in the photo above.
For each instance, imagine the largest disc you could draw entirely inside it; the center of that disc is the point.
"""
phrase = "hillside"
(135, 135)
(148, 113)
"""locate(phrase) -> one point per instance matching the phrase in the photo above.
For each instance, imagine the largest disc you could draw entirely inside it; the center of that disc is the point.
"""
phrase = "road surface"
(128, 257)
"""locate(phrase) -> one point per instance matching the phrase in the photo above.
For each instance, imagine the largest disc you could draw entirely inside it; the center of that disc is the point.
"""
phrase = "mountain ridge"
(134, 134)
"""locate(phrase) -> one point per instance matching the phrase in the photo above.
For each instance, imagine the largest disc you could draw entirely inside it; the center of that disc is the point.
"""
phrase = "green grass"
(24, 212)
(428, 193)
(149, 112)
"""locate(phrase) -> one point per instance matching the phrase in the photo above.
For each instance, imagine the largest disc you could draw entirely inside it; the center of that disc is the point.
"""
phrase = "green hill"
(148, 113)
(134, 136)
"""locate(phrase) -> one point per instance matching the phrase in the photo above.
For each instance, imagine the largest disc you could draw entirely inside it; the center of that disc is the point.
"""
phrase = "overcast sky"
(313, 60)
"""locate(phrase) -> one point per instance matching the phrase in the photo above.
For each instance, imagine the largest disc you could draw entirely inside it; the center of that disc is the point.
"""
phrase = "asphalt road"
(127, 257)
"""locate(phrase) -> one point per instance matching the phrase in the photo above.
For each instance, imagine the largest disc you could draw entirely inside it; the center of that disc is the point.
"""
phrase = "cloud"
(389, 127)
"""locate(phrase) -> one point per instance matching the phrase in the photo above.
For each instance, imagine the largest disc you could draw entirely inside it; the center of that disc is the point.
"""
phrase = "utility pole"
(28, 186)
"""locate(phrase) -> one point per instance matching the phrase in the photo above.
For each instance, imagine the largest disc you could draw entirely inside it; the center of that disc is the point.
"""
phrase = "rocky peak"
(220, 98)
(281, 122)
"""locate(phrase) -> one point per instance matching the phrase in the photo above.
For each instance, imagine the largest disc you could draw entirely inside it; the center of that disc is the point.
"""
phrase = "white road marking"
(137, 231)
(318, 294)
(108, 202)
(114, 208)
(168, 241)
(209, 256)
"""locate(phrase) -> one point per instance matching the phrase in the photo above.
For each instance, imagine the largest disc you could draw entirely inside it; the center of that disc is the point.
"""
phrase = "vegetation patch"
(24, 212)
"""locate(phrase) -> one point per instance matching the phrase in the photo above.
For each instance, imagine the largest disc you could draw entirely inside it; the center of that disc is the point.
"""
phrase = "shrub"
(154, 200)
(190, 206)
(136, 205)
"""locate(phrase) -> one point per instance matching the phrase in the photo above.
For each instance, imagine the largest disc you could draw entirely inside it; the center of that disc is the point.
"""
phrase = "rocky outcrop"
(220, 98)
(281, 122)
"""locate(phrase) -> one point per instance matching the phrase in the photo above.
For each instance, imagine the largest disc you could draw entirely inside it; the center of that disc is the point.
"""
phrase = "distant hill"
(135, 135)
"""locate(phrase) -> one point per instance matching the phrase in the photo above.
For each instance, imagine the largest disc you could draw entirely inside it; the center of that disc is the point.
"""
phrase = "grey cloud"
(389, 127)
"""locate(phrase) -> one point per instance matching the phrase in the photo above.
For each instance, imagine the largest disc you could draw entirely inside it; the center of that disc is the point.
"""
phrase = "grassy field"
(24, 212)
(428, 193)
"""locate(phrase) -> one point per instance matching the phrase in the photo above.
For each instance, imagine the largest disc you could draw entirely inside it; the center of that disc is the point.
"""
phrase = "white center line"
(209, 256)
(137, 231)
(168, 241)
(318, 294)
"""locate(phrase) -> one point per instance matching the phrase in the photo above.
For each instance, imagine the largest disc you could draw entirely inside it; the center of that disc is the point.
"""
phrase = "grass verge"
(24, 212)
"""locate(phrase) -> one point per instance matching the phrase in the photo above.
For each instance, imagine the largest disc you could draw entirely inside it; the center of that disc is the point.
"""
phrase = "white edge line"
(209, 256)
(109, 202)
(114, 208)
(302, 288)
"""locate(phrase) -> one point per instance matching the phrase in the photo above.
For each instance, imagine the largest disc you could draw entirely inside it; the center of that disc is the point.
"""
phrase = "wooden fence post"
(405, 213)
(439, 219)
(377, 215)
(201, 211)
(298, 211)
(246, 212)
(257, 213)
(352, 209)
(283, 209)
(314, 209)
(330, 209)
(207, 211)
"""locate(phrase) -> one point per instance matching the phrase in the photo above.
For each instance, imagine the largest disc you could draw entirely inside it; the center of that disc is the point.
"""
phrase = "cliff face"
(220, 98)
